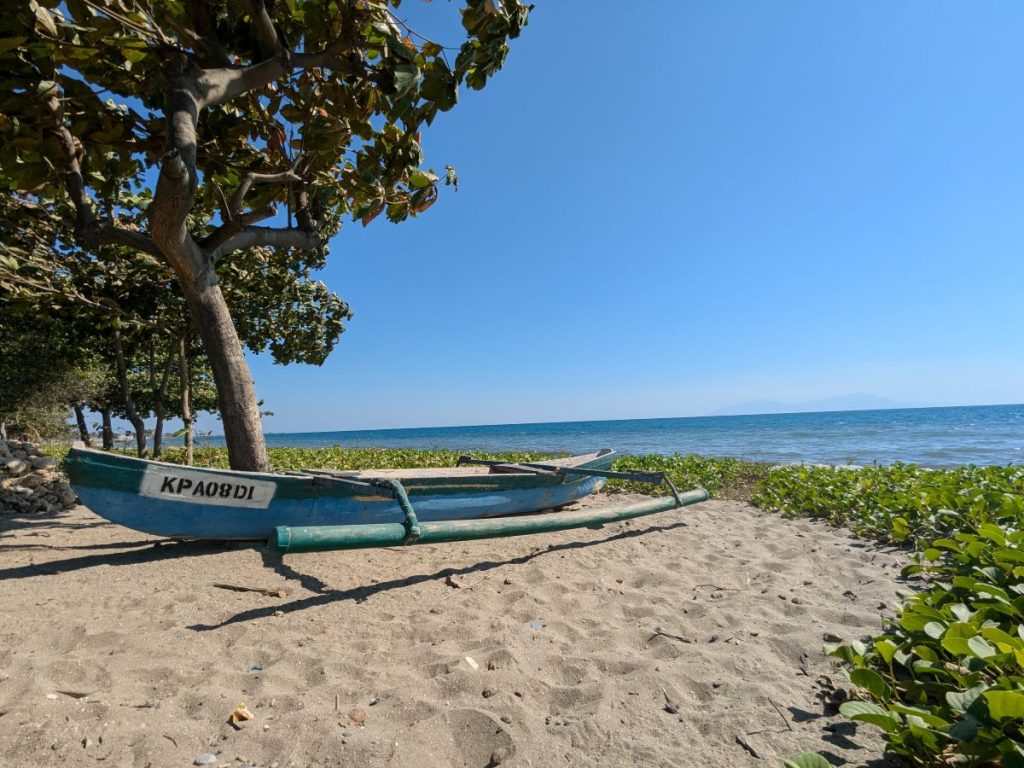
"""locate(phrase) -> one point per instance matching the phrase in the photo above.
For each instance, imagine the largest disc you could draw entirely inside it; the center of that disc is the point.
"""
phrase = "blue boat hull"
(202, 521)
(198, 503)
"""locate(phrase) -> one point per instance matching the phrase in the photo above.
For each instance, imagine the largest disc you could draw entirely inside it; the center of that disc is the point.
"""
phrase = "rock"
(506, 720)
(4, 450)
(29, 448)
(33, 480)
(717, 595)
(19, 454)
(64, 493)
(207, 758)
(488, 692)
(43, 462)
(14, 466)
(498, 756)
(831, 637)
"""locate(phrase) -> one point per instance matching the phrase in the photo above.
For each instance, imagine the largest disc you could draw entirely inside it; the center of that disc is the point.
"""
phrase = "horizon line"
(644, 418)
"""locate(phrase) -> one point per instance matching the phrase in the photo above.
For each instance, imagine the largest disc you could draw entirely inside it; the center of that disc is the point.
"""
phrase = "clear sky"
(669, 207)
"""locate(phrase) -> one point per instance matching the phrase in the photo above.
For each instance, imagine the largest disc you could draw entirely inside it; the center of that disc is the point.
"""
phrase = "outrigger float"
(320, 510)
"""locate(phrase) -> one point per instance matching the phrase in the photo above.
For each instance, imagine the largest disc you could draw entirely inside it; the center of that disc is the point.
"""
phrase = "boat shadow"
(325, 595)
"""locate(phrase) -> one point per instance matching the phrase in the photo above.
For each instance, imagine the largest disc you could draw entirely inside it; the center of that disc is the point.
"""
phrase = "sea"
(984, 434)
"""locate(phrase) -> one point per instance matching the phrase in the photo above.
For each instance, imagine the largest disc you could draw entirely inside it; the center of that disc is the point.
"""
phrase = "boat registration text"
(203, 488)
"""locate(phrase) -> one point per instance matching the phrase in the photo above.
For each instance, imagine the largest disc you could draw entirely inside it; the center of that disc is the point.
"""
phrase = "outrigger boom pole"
(322, 538)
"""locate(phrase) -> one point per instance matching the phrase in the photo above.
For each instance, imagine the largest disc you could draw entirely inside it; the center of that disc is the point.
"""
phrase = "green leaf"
(872, 681)
(44, 19)
(406, 76)
(421, 179)
(886, 649)
(45, 88)
(1005, 704)
(965, 730)
(981, 647)
(807, 760)
(923, 715)
(961, 701)
(865, 711)
(9, 43)
(134, 55)
(956, 637)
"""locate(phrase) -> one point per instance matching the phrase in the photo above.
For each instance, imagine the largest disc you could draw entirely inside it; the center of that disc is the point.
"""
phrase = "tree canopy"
(227, 141)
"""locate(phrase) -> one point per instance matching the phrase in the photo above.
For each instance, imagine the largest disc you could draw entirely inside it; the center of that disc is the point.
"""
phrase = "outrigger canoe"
(315, 510)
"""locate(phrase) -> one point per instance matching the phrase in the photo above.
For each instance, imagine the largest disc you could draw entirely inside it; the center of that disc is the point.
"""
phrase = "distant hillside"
(858, 401)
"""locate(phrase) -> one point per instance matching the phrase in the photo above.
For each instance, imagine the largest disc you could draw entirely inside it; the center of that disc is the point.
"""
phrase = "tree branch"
(219, 86)
(235, 225)
(260, 178)
(86, 226)
(274, 237)
(264, 24)
(110, 234)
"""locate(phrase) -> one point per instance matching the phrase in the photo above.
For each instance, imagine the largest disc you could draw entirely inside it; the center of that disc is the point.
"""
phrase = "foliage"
(43, 370)
(900, 503)
(945, 680)
(223, 144)
(336, 457)
(807, 760)
(723, 477)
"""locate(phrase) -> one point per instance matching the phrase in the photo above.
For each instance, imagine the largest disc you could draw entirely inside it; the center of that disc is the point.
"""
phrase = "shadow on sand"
(325, 596)
(144, 552)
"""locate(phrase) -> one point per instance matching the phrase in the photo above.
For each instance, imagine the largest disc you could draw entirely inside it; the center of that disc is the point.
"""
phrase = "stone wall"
(30, 482)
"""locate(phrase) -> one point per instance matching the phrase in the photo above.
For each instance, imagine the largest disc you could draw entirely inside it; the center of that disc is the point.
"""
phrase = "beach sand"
(549, 650)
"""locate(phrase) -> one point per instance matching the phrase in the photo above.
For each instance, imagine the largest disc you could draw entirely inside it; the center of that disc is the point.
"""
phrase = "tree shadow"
(803, 716)
(839, 735)
(89, 547)
(159, 550)
(18, 523)
(324, 595)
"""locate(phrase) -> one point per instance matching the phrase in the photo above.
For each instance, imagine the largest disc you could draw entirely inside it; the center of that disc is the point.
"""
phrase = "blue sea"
(990, 434)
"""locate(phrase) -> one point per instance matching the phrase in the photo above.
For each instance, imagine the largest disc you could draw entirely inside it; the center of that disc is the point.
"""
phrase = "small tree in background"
(193, 131)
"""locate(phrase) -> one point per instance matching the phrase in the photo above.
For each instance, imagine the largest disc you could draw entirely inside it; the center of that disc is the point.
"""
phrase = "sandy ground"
(550, 650)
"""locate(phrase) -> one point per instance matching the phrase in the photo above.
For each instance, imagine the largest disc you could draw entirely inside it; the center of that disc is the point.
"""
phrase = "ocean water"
(929, 436)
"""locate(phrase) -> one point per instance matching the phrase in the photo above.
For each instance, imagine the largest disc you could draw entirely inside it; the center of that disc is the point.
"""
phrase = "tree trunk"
(83, 429)
(3, 429)
(158, 433)
(108, 429)
(126, 395)
(160, 399)
(186, 397)
(172, 202)
(236, 395)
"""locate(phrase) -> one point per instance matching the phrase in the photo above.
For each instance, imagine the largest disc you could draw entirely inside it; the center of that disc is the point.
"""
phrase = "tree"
(45, 370)
(178, 129)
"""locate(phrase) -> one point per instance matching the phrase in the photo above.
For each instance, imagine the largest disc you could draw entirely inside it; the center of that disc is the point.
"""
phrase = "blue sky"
(669, 207)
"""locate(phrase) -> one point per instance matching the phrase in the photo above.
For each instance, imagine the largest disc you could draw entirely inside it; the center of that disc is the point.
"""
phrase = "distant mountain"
(858, 401)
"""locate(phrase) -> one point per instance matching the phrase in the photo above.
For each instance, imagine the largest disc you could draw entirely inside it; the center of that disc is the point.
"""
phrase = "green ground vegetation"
(945, 679)
(722, 477)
